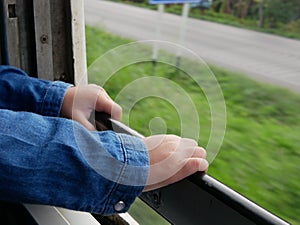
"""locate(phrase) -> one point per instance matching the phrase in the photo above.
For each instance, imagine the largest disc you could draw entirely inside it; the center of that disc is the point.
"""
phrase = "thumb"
(107, 105)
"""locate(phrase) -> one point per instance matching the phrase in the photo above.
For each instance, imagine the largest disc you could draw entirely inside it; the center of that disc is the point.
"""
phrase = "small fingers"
(191, 166)
(200, 164)
(199, 152)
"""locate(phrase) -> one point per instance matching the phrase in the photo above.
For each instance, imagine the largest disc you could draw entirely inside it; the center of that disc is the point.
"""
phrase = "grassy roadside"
(260, 154)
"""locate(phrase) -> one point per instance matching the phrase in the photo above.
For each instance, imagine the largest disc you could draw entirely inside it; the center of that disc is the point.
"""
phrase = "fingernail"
(203, 165)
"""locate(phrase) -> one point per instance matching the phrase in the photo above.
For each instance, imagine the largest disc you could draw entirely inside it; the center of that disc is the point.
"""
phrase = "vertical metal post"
(43, 37)
(78, 40)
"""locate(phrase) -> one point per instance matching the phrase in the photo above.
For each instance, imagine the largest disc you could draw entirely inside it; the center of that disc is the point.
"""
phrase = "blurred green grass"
(260, 154)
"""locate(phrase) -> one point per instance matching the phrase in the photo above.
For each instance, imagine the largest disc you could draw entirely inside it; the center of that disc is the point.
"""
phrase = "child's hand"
(172, 158)
(81, 101)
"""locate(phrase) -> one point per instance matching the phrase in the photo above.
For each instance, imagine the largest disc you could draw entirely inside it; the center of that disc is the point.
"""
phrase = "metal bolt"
(44, 39)
(119, 206)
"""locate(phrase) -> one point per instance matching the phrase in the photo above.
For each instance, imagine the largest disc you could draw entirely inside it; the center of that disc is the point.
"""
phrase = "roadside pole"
(185, 13)
(160, 10)
(182, 29)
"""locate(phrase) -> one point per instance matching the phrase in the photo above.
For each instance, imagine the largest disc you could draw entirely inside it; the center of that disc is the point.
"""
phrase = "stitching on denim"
(43, 108)
(125, 159)
(61, 89)
(116, 184)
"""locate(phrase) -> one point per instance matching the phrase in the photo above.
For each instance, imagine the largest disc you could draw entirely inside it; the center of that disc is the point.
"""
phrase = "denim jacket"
(49, 160)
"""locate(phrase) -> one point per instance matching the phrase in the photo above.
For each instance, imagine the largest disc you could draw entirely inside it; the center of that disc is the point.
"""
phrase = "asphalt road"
(264, 57)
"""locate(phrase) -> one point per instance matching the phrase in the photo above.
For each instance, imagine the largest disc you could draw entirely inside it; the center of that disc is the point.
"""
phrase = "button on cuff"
(119, 206)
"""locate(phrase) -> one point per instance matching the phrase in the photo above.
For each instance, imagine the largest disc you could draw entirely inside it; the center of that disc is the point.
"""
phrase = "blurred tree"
(228, 6)
(273, 11)
(238, 8)
(282, 11)
(241, 8)
(217, 5)
(283, 14)
(261, 12)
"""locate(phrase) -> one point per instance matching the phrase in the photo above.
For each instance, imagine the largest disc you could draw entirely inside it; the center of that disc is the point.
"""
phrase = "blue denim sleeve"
(20, 92)
(58, 162)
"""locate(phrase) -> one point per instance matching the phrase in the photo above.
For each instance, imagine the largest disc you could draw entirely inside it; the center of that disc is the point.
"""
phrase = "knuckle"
(172, 146)
(93, 86)
(172, 138)
(96, 88)
(189, 141)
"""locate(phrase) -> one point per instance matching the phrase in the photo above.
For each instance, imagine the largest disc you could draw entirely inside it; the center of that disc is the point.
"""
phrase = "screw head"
(44, 39)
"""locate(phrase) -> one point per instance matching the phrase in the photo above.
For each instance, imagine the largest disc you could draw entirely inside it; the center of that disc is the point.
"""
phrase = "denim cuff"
(133, 176)
(52, 100)
(125, 167)
(120, 164)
